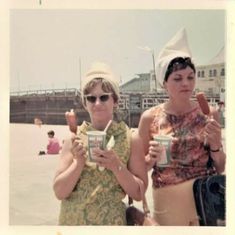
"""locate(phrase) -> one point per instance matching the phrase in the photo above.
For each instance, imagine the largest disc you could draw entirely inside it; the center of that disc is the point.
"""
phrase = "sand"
(32, 201)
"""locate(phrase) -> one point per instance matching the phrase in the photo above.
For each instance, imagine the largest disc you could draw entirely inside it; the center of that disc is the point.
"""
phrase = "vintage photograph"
(127, 66)
(117, 116)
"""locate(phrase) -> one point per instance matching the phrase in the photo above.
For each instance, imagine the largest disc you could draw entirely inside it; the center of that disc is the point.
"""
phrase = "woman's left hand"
(107, 159)
(213, 134)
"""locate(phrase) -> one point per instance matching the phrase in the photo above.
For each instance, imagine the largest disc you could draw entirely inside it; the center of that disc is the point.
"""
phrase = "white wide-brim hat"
(176, 47)
(100, 70)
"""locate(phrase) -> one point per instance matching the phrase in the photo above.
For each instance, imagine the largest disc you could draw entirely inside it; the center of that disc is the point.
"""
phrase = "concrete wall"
(50, 110)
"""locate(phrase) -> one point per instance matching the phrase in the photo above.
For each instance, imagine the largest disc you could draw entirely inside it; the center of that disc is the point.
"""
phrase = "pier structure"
(50, 105)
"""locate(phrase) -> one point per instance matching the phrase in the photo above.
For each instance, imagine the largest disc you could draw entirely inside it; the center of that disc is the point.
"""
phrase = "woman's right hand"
(155, 151)
(71, 164)
(78, 151)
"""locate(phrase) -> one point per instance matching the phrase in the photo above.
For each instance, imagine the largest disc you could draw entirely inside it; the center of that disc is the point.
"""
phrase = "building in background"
(211, 79)
(142, 83)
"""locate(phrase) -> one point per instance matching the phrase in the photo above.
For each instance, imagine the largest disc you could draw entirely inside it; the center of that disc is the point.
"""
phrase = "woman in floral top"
(92, 193)
(182, 119)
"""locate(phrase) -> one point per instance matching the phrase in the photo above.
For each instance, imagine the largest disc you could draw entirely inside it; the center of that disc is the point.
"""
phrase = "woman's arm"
(143, 129)
(213, 133)
(219, 160)
(134, 178)
(71, 164)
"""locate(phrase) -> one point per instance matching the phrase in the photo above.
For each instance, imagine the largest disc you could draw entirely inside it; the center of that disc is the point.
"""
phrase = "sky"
(53, 48)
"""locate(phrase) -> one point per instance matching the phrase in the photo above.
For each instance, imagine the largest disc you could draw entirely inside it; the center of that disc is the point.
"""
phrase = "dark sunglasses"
(103, 98)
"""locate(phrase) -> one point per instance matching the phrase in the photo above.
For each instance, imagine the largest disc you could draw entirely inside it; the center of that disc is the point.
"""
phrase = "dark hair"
(51, 133)
(178, 63)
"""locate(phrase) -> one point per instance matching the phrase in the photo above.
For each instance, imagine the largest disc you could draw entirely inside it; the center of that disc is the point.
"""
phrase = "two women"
(93, 197)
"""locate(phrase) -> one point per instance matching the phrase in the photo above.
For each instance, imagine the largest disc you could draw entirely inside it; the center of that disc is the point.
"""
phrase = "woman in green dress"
(92, 193)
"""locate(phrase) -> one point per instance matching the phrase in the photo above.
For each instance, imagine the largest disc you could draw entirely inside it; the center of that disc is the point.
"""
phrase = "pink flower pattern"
(188, 156)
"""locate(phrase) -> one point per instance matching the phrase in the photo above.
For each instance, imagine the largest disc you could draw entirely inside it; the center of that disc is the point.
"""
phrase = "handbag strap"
(210, 160)
(130, 201)
(144, 204)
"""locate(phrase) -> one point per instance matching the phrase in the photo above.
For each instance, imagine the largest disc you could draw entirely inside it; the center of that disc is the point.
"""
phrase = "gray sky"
(46, 44)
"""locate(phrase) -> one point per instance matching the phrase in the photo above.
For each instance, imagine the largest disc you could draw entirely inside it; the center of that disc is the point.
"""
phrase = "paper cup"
(165, 141)
(96, 139)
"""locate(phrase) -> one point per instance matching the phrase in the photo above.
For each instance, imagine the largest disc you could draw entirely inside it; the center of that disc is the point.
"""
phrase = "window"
(198, 74)
(203, 74)
(222, 73)
(210, 73)
(214, 73)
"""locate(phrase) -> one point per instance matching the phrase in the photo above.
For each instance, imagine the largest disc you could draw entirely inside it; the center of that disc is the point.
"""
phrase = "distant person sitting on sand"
(53, 146)
(38, 121)
(40, 133)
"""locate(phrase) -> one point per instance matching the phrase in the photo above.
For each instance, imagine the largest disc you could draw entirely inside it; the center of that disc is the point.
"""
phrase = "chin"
(186, 93)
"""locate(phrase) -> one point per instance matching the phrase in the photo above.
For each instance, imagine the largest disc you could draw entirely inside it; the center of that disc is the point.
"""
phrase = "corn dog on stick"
(204, 107)
(71, 121)
(203, 103)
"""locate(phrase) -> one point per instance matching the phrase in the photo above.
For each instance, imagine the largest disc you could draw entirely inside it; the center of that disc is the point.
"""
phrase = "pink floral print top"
(188, 156)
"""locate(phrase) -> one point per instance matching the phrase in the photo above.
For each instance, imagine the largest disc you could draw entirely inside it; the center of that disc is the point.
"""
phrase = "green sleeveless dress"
(97, 197)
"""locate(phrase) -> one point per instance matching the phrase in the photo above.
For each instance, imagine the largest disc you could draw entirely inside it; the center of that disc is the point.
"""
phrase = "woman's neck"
(178, 108)
(100, 125)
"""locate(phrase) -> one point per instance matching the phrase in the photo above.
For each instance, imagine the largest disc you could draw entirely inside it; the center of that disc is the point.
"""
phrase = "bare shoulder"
(144, 125)
(148, 114)
(146, 119)
(135, 137)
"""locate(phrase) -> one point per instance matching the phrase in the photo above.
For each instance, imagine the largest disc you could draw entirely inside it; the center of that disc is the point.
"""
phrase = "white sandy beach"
(32, 201)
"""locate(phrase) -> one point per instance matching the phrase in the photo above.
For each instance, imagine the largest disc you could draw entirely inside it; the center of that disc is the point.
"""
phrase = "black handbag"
(209, 195)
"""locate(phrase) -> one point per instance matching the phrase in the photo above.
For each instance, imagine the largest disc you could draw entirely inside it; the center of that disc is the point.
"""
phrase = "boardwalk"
(32, 201)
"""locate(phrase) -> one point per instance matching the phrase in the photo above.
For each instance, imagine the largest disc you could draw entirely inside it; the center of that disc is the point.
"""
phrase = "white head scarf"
(100, 70)
(176, 47)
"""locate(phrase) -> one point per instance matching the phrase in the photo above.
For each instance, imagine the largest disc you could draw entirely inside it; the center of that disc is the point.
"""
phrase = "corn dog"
(71, 121)
(203, 103)
(204, 107)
